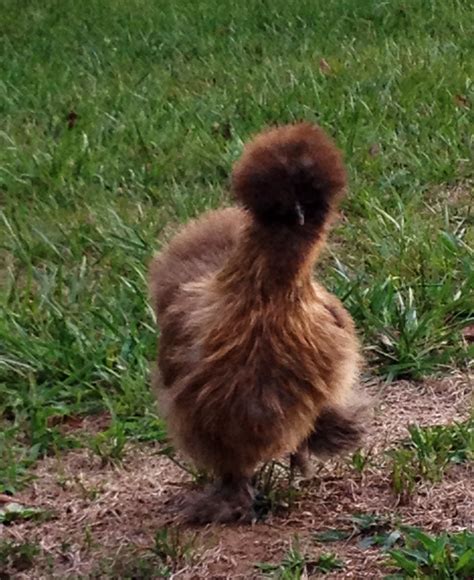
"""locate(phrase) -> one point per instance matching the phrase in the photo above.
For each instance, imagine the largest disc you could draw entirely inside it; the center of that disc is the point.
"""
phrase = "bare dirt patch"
(459, 193)
(107, 513)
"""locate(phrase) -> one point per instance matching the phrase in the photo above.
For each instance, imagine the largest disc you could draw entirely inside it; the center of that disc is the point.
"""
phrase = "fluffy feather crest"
(292, 175)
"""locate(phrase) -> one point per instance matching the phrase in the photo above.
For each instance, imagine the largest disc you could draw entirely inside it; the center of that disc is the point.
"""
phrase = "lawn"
(121, 119)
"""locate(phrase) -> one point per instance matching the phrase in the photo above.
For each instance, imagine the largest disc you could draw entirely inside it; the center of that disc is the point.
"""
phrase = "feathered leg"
(229, 500)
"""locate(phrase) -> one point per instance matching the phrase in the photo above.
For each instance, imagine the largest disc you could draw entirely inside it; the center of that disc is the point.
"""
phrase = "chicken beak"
(299, 213)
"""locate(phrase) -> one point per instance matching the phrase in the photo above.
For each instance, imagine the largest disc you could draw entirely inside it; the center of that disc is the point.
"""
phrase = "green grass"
(122, 118)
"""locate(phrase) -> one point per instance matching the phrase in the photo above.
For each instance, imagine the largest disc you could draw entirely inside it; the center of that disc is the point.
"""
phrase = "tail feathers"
(338, 430)
(292, 175)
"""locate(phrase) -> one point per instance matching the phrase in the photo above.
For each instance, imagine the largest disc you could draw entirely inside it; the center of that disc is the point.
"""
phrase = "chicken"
(256, 360)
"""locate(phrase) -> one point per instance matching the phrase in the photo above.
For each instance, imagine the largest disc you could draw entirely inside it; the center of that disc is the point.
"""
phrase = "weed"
(369, 529)
(16, 557)
(369, 523)
(375, 530)
(276, 490)
(296, 565)
(447, 556)
(198, 476)
(15, 459)
(404, 473)
(428, 452)
(443, 557)
(87, 491)
(131, 563)
(147, 428)
(109, 445)
(332, 535)
(325, 563)
(14, 512)
(174, 547)
(89, 541)
(360, 460)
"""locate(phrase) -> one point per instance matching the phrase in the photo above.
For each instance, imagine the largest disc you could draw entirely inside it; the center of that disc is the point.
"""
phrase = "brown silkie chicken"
(257, 360)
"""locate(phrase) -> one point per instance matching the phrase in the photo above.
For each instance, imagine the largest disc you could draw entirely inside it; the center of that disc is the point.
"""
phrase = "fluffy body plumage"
(253, 352)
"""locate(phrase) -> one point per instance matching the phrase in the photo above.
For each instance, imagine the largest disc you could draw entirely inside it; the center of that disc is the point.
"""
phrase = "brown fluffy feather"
(252, 351)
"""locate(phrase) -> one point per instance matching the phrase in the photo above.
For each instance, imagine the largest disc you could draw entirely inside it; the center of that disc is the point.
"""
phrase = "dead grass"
(105, 512)
(458, 194)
